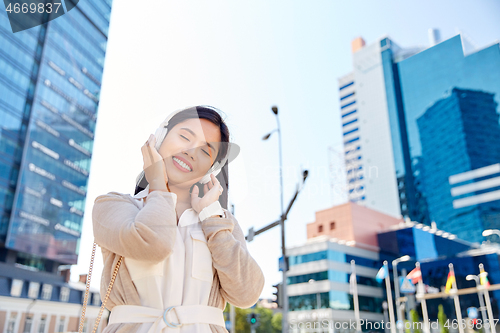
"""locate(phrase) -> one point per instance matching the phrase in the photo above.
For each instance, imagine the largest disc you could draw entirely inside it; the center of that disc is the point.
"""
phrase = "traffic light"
(253, 319)
(278, 300)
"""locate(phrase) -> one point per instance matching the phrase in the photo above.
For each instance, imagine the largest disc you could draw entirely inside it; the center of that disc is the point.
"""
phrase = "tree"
(442, 319)
(267, 321)
(265, 316)
(415, 319)
(276, 322)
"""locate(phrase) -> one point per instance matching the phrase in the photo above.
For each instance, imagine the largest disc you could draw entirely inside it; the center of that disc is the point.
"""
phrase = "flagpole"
(457, 301)
(423, 303)
(355, 294)
(480, 295)
(389, 297)
(488, 303)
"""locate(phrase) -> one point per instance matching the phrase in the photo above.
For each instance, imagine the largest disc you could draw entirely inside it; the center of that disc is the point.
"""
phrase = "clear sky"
(243, 57)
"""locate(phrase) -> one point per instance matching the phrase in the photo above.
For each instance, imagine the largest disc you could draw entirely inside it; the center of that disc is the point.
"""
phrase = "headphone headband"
(161, 133)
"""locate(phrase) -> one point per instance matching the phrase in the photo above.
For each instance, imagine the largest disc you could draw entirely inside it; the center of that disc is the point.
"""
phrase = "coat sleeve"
(122, 227)
(241, 278)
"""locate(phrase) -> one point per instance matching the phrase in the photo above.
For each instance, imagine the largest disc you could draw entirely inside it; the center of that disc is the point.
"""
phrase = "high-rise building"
(368, 129)
(392, 88)
(320, 270)
(350, 236)
(455, 138)
(50, 81)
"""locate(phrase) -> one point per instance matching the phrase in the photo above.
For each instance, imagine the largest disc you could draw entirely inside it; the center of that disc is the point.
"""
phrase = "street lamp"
(385, 306)
(318, 302)
(489, 232)
(395, 263)
(480, 295)
(282, 223)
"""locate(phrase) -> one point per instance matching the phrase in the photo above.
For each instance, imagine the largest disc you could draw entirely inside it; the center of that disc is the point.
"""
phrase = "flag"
(483, 277)
(352, 281)
(382, 274)
(449, 282)
(415, 275)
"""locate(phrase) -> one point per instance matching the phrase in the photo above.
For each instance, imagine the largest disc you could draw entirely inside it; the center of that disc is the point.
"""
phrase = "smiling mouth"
(181, 165)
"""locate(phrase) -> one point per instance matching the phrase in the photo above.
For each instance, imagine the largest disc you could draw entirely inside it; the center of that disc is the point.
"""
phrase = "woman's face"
(187, 142)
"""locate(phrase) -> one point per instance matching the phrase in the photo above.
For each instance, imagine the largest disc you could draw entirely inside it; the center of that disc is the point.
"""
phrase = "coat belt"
(184, 314)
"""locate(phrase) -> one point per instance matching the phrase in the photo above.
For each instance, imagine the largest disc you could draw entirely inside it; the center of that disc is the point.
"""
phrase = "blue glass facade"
(413, 88)
(434, 273)
(433, 249)
(455, 139)
(420, 244)
(435, 252)
(50, 81)
(331, 255)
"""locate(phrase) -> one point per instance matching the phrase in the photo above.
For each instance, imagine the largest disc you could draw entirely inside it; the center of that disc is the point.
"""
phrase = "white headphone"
(160, 135)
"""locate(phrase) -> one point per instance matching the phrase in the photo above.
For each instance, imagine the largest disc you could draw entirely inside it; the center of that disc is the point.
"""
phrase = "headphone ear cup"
(160, 135)
(205, 179)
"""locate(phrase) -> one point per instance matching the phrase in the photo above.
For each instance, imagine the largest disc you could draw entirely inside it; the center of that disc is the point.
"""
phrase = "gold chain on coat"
(84, 307)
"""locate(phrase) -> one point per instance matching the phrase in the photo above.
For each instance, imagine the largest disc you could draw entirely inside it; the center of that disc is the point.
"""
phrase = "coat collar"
(189, 216)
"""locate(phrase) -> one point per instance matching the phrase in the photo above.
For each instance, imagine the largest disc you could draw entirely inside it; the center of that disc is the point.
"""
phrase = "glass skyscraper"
(50, 81)
(401, 97)
(460, 133)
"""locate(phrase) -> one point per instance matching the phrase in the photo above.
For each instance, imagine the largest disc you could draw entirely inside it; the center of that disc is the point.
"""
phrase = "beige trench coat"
(122, 228)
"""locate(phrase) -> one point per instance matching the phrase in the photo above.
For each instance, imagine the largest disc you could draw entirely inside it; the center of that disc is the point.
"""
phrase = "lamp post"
(489, 232)
(481, 300)
(395, 263)
(282, 223)
(318, 302)
(386, 318)
(28, 315)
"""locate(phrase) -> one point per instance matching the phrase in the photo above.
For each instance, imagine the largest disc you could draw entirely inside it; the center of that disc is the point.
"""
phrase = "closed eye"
(202, 149)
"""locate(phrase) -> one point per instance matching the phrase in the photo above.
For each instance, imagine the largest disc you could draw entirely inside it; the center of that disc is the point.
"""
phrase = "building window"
(346, 96)
(320, 228)
(318, 276)
(85, 325)
(28, 322)
(346, 85)
(47, 292)
(62, 321)
(41, 326)
(332, 225)
(64, 296)
(351, 131)
(348, 113)
(348, 104)
(350, 122)
(96, 299)
(12, 323)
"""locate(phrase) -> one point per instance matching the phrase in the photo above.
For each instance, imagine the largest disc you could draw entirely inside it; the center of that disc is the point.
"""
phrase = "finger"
(150, 154)
(145, 156)
(215, 180)
(205, 188)
(195, 191)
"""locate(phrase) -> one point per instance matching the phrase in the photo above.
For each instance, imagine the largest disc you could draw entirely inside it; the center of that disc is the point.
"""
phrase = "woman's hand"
(212, 193)
(154, 167)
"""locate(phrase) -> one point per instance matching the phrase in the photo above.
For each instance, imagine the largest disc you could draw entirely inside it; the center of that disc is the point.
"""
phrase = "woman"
(184, 255)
